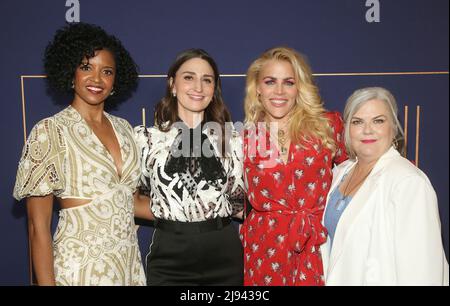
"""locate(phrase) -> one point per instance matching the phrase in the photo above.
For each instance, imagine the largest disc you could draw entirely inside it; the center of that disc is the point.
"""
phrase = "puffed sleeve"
(142, 136)
(235, 188)
(337, 125)
(40, 170)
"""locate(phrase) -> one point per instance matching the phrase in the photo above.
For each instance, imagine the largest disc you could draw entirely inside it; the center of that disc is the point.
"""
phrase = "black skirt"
(207, 253)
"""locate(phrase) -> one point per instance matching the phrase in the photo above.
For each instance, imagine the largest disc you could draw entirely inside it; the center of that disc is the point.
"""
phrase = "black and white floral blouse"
(193, 188)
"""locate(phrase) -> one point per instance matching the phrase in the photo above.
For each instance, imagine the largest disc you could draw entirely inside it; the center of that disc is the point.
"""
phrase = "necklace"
(341, 202)
(281, 139)
(282, 142)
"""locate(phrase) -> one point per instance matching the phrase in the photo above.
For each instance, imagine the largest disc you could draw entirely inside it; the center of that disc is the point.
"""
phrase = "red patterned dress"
(283, 232)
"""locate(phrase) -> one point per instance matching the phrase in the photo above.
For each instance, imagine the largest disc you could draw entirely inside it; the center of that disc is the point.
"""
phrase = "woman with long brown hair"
(193, 174)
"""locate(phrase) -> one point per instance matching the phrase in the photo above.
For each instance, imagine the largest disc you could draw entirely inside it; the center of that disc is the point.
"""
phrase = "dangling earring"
(73, 85)
(174, 94)
(112, 92)
(395, 143)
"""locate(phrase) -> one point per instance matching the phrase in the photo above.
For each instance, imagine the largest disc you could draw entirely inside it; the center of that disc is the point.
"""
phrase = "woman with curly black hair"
(88, 160)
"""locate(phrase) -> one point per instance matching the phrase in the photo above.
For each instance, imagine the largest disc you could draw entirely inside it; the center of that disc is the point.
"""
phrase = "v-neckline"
(116, 135)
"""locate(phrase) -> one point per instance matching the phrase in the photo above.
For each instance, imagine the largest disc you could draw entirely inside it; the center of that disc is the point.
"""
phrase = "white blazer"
(390, 233)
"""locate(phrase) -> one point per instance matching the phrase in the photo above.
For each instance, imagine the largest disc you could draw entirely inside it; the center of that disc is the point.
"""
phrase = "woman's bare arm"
(39, 211)
(142, 207)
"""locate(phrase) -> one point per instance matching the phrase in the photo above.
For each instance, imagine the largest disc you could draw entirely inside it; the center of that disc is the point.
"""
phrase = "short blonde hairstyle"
(307, 118)
(358, 99)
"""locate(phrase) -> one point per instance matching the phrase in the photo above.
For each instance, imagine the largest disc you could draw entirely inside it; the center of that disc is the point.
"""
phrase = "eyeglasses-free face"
(194, 88)
(277, 89)
(94, 78)
(371, 130)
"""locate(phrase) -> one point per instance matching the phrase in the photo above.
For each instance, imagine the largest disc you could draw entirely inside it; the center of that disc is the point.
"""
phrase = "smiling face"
(194, 87)
(94, 78)
(277, 90)
(371, 130)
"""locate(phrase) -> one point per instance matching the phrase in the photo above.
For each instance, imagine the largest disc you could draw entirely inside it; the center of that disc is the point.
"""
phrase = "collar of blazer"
(357, 203)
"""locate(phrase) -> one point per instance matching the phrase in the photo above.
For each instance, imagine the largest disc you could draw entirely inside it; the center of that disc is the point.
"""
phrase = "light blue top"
(337, 203)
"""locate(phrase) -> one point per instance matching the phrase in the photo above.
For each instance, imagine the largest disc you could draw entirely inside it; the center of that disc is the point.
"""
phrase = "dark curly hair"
(74, 42)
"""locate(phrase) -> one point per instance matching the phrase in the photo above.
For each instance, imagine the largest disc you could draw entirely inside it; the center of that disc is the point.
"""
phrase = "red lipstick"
(368, 140)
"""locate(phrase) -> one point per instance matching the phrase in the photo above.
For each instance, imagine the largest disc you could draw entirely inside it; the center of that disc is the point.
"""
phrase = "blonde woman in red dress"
(291, 144)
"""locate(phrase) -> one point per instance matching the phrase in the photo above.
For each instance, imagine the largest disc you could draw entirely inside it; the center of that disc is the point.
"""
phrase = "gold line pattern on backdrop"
(340, 74)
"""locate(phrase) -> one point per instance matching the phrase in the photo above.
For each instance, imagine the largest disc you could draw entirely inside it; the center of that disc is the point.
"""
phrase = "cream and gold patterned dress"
(95, 243)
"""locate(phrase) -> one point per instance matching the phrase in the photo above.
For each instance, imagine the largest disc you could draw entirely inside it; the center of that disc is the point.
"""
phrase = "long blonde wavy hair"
(307, 120)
